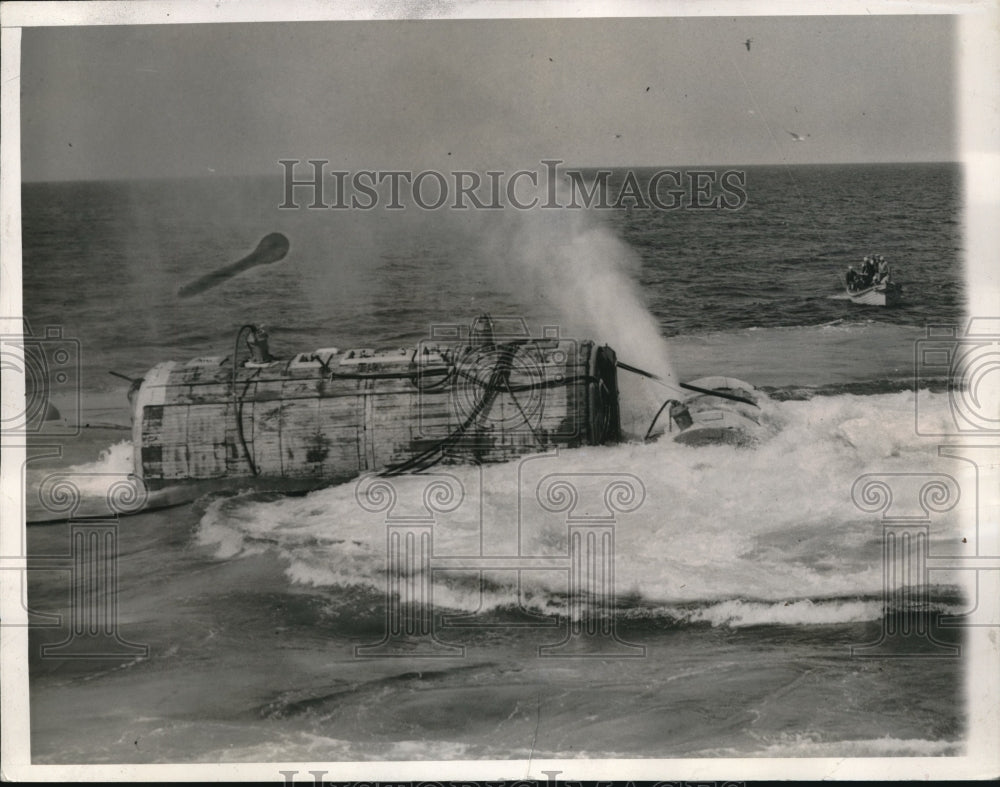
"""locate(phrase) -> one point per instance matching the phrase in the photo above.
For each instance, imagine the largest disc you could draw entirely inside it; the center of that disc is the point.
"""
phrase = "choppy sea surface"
(747, 575)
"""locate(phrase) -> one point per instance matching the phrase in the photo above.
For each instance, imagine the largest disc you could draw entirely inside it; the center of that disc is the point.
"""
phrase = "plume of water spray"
(580, 269)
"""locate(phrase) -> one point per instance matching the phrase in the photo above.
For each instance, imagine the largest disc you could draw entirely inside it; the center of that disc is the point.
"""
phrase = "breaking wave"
(768, 535)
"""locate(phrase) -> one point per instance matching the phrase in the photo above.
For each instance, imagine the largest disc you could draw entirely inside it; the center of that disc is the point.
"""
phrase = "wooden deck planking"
(298, 422)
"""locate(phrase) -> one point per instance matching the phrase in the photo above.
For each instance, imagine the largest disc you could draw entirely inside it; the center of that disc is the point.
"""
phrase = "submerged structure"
(487, 393)
(717, 410)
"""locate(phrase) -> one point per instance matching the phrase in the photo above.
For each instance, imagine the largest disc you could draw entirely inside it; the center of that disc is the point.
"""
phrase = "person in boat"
(853, 279)
(867, 272)
(882, 277)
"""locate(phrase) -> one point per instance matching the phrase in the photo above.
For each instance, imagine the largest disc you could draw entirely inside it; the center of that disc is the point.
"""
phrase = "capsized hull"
(328, 416)
(710, 420)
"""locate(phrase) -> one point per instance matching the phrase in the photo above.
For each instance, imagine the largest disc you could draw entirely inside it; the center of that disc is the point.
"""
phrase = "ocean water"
(745, 574)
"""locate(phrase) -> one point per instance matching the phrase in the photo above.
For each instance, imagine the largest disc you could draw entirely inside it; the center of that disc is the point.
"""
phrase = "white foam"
(738, 613)
(115, 458)
(718, 523)
(92, 482)
(807, 745)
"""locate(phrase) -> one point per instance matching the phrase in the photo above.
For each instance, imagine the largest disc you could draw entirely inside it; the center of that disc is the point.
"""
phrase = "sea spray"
(86, 489)
(115, 459)
(561, 266)
(737, 534)
(572, 263)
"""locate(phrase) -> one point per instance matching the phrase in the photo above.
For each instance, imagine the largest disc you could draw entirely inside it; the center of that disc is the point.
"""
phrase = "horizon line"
(563, 166)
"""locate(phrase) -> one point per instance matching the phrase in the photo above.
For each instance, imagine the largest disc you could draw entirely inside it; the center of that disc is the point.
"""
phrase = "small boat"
(873, 285)
(886, 293)
(704, 417)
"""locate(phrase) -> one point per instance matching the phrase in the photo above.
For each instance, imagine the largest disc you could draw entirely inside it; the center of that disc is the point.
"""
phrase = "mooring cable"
(238, 400)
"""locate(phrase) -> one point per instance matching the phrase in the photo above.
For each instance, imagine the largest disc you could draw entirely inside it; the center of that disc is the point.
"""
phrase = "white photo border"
(978, 109)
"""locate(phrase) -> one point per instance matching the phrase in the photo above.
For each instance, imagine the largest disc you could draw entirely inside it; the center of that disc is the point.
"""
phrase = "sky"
(111, 102)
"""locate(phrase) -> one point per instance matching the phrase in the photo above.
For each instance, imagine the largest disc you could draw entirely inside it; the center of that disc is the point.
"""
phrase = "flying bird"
(747, 43)
(797, 137)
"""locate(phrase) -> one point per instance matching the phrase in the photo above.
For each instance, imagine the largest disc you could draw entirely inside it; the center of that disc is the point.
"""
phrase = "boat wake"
(768, 535)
